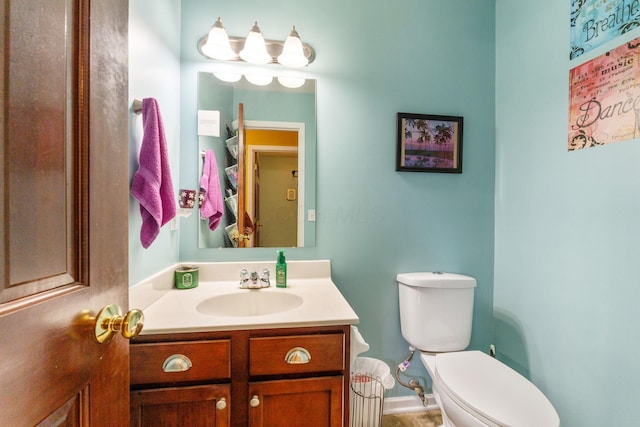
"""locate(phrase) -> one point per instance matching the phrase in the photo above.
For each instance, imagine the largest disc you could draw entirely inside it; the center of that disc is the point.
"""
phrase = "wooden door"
(64, 185)
(256, 200)
(241, 178)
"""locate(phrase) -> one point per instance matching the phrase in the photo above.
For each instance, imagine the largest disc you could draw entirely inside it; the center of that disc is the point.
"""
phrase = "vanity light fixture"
(254, 49)
(217, 45)
(293, 53)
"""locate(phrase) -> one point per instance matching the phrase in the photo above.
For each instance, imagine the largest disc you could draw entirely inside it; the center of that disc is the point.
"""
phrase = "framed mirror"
(265, 157)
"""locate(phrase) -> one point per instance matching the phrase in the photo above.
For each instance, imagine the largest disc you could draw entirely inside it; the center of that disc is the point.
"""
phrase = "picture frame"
(429, 143)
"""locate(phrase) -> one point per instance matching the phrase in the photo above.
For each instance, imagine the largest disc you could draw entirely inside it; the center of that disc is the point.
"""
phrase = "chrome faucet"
(253, 281)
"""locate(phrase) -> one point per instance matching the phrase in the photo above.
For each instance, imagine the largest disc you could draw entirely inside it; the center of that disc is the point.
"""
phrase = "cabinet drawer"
(209, 360)
(296, 354)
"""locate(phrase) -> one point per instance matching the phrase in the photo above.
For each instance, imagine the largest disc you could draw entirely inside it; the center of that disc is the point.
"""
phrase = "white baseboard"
(397, 405)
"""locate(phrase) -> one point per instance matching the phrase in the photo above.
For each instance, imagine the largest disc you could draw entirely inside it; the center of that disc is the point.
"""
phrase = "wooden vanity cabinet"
(313, 397)
(162, 374)
(266, 377)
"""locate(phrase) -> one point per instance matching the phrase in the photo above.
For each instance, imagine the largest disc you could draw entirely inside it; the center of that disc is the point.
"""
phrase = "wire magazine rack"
(367, 399)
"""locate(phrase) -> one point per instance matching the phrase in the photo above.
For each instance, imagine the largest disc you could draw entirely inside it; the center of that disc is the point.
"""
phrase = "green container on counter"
(186, 277)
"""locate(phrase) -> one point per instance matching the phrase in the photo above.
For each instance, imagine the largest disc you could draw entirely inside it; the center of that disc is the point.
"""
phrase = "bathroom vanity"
(219, 356)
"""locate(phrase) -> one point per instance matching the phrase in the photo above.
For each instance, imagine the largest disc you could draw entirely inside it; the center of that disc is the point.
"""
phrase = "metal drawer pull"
(222, 403)
(297, 356)
(177, 363)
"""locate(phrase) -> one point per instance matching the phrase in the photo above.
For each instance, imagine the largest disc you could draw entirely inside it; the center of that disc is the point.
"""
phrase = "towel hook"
(137, 106)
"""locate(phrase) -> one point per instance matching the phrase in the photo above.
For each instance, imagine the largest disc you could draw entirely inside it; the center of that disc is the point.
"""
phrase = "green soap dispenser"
(281, 270)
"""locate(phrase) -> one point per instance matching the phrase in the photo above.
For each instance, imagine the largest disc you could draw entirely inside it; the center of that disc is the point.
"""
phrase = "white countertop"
(170, 310)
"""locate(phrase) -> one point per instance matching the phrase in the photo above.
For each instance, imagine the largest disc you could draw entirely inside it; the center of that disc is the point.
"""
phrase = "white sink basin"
(249, 303)
(310, 299)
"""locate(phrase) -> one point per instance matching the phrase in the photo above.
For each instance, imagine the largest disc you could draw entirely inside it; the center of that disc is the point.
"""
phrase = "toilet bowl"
(471, 388)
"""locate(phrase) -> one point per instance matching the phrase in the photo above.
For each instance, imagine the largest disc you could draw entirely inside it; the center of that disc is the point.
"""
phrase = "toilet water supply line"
(413, 383)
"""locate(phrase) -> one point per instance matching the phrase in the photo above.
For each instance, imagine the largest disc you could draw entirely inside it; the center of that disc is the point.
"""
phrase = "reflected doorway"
(274, 184)
(275, 198)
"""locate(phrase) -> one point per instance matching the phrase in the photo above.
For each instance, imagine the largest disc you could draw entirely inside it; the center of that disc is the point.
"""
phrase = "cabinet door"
(197, 406)
(312, 402)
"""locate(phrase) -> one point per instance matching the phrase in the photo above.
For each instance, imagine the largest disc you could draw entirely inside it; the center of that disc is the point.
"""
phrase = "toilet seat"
(491, 391)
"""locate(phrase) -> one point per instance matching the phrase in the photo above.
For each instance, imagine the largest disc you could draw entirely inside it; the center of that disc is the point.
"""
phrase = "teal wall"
(154, 72)
(374, 59)
(566, 262)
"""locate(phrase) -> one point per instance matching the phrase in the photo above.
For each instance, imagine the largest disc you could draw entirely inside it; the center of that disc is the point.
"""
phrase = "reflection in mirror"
(265, 155)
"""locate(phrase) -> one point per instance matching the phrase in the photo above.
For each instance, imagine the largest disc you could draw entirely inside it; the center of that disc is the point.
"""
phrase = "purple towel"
(152, 185)
(212, 207)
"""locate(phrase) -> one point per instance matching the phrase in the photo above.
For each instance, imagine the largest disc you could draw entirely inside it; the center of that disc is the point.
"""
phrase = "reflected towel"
(212, 207)
(152, 185)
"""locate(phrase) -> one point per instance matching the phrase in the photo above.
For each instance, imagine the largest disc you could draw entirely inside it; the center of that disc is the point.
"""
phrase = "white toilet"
(471, 388)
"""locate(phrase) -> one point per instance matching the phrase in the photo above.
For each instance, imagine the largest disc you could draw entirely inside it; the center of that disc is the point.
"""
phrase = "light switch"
(291, 194)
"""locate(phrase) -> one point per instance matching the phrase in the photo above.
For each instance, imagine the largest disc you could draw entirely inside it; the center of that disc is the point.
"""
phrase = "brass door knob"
(110, 321)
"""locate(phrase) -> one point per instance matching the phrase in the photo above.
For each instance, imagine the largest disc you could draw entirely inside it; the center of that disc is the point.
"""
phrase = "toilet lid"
(490, 389)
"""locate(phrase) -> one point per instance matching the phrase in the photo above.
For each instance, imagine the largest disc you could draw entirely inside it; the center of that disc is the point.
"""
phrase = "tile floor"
(413, 419)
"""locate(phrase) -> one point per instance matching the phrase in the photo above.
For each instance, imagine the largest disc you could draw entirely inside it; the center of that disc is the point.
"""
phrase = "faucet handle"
(244, 277)
(265, 278)
(253, 280)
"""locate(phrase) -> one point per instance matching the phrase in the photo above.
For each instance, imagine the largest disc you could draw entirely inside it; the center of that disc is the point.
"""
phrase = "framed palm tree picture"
(429, 143)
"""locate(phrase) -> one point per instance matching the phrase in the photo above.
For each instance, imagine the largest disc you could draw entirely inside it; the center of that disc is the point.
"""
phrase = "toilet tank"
(436, 310)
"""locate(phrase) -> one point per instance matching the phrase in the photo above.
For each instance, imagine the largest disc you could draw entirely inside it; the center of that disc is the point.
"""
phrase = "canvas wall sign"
(594, 22)
(604, 98)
